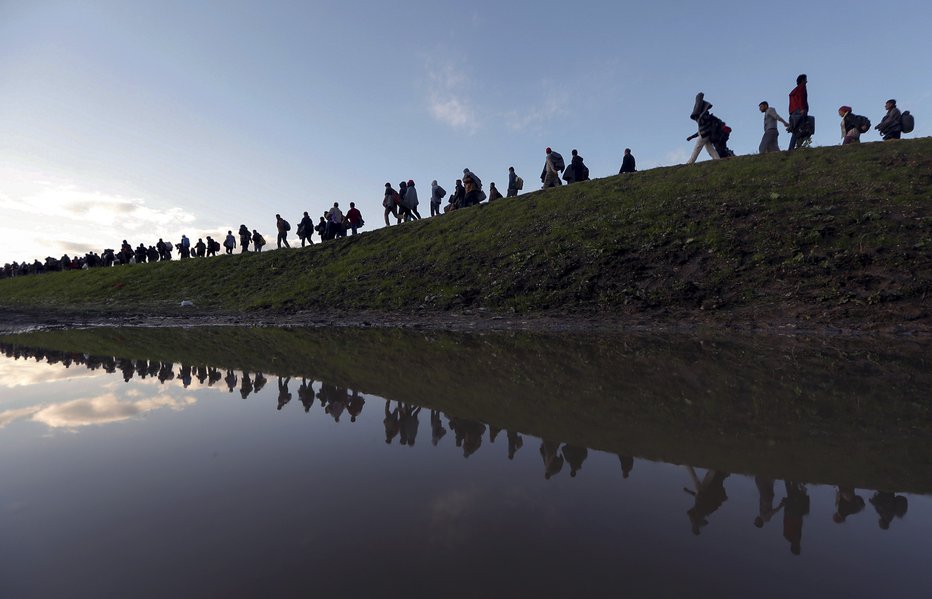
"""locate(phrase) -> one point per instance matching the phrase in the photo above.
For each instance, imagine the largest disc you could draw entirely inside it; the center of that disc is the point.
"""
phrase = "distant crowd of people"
(402, 204)
(401, 420)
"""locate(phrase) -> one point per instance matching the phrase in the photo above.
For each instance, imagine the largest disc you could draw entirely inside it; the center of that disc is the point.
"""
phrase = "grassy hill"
(839, 234)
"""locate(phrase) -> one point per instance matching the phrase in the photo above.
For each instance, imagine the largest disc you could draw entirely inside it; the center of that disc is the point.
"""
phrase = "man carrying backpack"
(707, 123)
(577, 171)
(436, 195)
(512, 191)
(852, 126)
(283, 227)
(890, 126)
(305, 229)
(553, 165)
(799, 113)
(768, 142)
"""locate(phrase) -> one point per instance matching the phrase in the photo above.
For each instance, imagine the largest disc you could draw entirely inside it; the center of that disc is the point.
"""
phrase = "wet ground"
(239, 462)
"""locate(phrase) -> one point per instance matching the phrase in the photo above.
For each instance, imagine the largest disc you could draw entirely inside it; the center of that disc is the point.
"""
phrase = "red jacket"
(799, 99)
(353, 215)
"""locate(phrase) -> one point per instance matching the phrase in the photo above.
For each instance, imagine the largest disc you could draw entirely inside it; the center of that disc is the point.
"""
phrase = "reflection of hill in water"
(825, 411)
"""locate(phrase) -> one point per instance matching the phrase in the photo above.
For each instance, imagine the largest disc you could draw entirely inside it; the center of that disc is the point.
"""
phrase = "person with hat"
(849, 128)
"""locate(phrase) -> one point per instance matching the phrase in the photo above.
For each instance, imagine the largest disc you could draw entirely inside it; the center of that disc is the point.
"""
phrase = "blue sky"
(145, 120)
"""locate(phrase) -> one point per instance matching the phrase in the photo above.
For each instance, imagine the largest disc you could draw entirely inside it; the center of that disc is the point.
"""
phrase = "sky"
(140, 120)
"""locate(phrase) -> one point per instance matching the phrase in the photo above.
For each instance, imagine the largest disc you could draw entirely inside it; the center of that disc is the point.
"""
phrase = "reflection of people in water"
(709, 496)
(765, 510)
(354, 405)
(889, 506)
(437, 431)
(795, 506)
(627, 464)
(166, 372)
(127, 368)
(306, 394)
(258, 382)
(515, 442)
(246, 387)
(574, 456)
(230, 379)
(336, 401)
(284, 395)
(493, 432)
(213, 375)
(184, 373)
(553, 461)
(392, 422)
(468, 434)
(847, 503)
(201, 374)
(409, 424)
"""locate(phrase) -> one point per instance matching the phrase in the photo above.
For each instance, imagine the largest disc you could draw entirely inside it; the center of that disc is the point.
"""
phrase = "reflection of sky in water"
(199, 492)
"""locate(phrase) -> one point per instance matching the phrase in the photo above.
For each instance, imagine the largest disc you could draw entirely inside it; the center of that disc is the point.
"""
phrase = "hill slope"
(833, 234)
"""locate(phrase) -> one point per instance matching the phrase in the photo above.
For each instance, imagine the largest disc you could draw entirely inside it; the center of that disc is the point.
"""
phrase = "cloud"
(448, 100)
(103, 409)
(555, 103)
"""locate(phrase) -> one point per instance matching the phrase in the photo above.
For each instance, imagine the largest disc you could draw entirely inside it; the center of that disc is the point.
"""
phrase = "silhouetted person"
(847, 503)
(627, 162)
(306, 395)
(184, 373)
(409, 424)
(795, 506)
(336, 402)
(515, 442)
(213, 376)
(284, 395)
(437, 431)
(493, 432)
(709, 496)
(575, 456)
(392, 422)
(765, 509)
(258, 382)
(246, 386)
(244, 238)
(627, 465)
(355, 405)
(230, 380)
(553, 461)
(889, 506)
(166, 372)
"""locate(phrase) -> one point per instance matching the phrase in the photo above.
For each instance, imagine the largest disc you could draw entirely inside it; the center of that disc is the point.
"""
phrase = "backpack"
(585, 173)
(557, 161)
(806, 127)
(287, 225)
(717, 132)
(441, 192)
(519, 183)
(862, 123)
(907, 122)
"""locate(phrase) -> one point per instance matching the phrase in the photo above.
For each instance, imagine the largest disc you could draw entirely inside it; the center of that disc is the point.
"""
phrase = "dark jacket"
(890, 123)
(627, 164)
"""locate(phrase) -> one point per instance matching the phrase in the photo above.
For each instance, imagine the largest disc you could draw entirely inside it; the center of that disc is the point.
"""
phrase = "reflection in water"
(563, 430)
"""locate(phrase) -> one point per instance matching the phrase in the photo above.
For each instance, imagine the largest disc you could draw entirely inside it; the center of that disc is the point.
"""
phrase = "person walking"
(890, 126)
(459, 192)
(244, 238)
(473, 188)
(258, 241)
(390, 201)
(799, 112)
(353, 217)
(578, 171)
(230, 242)
(436, 196)
(850, 133)
(283, 227)
(411, 202)
(494, 193)
(705, 121)
(627, 162)
(553, 165)
(306, 229)
(512, 191)
(769, 142)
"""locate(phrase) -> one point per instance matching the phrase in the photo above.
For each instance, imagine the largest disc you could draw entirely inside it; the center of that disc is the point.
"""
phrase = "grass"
(826, 233)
